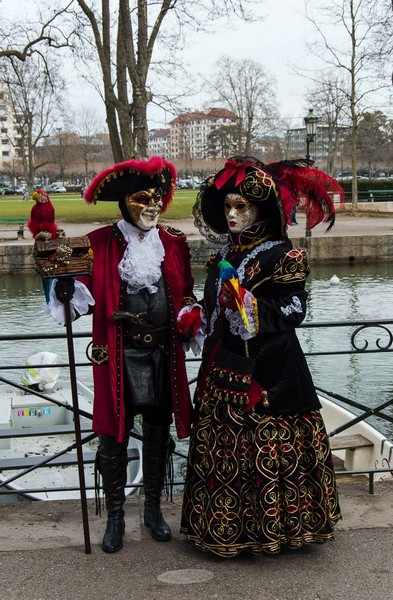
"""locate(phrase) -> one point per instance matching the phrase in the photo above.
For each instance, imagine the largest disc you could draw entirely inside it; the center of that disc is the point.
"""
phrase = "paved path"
(42, 547)
(345, 225)
(42, 557)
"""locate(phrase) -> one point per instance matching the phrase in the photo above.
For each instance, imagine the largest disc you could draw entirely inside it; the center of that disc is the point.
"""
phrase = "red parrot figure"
(42, 217)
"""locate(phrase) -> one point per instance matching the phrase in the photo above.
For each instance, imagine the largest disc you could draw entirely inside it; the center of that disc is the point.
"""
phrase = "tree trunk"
(114, 136)
(28, 161)
(354, 141)
(354, 170)
(124, 110)
(140, 102)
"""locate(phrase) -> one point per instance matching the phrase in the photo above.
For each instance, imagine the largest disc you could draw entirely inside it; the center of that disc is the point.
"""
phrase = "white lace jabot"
(140, 266)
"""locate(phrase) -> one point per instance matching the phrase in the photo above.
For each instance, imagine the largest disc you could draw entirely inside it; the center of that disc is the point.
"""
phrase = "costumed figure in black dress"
(260, 473)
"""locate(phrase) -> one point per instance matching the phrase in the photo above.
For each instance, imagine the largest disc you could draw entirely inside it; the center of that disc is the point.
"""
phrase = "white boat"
(50, 430)
(361, 447)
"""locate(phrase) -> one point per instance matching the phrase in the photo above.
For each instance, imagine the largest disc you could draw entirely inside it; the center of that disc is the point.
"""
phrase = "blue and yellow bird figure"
(230, 278)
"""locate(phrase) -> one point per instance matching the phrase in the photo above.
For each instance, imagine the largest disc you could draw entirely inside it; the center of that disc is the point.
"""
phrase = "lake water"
(365, 292)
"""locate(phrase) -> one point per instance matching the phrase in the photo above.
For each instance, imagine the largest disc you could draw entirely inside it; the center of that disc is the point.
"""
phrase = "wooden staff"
(64, 258)
(78, 436)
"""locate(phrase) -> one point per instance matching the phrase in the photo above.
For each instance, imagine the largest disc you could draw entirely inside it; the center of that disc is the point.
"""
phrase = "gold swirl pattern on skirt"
(258, 482)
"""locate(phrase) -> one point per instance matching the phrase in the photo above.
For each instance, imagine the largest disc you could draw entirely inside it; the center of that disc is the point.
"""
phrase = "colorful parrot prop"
(42, 217)
(230, 277)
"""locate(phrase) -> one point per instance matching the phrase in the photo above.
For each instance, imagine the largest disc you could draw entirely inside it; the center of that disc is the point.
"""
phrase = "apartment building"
(10, 133)
(159, 142)
(189, 132)
(295, 142)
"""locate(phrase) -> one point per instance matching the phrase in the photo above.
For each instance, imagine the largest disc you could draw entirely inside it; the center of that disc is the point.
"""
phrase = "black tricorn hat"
(115, 183)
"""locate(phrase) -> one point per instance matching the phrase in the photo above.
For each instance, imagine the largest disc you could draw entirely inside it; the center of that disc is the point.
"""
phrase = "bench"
(15, 432)
(25, 462)
(17, 223)
(380, 195)
(357, 448)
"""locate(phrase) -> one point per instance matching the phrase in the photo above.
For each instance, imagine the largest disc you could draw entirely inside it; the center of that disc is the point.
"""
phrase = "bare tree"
(245, 88)
(87, 125)
(22, 39)
(384, 29)
(373, 140)
(37, 105)
(389, 146)
(125, 40)
(329, 97)
(361, 57)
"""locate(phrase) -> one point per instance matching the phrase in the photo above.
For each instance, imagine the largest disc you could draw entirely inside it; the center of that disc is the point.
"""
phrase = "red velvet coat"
(108, 291)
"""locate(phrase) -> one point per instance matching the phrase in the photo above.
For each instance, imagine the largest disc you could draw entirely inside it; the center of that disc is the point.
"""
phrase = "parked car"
(188, 184)
(6, 190)
(344, 175)
(55, 188)
(183, 184)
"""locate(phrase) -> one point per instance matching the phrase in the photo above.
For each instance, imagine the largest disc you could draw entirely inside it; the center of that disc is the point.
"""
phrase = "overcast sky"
(278, 42)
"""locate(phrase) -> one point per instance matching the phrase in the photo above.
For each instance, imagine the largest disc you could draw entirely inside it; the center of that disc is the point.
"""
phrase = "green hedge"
(367, 184)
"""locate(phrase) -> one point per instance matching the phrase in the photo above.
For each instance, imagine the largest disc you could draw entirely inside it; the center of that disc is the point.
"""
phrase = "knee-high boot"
(112, 465)
(155, 454)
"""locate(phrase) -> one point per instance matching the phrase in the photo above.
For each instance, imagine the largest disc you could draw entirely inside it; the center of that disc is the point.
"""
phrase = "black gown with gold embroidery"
(262, 478)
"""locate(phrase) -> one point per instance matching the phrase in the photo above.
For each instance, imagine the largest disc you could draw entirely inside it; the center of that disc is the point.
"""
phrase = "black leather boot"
(112, 465)
(155, 454)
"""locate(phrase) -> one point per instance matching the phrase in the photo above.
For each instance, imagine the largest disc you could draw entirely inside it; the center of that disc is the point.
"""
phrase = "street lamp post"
(310, 122)
(61, 166)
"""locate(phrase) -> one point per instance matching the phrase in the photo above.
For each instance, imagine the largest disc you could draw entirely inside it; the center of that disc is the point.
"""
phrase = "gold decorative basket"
(64, 256)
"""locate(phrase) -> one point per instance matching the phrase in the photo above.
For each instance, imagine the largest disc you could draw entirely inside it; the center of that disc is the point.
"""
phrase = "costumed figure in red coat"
(141, 279)
(42, 217)
(260, 474)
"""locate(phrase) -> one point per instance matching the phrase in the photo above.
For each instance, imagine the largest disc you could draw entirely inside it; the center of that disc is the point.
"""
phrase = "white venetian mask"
(239, 212)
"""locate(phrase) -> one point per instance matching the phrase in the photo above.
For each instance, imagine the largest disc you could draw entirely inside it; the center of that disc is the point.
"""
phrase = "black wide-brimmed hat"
(276, 188)
(240, 175)
(131, 176)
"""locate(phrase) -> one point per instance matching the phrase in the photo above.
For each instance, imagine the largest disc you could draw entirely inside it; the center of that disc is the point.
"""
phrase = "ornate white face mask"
(239, 212)
(145, 207)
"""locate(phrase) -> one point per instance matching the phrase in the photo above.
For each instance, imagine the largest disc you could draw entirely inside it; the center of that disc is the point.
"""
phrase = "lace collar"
(140, 266)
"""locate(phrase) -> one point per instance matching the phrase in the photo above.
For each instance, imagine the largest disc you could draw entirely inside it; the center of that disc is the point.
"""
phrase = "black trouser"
(155, 428)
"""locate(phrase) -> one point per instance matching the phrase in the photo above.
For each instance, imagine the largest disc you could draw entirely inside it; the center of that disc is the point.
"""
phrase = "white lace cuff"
(79, 303)
(236, 323)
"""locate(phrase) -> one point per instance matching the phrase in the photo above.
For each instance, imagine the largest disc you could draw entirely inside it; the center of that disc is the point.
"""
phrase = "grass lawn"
(70, 208)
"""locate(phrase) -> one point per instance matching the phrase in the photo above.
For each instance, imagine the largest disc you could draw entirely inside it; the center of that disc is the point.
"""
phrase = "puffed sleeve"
(281, 305)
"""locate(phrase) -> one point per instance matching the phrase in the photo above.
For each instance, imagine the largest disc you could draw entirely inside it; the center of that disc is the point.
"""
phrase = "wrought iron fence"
(364, 337)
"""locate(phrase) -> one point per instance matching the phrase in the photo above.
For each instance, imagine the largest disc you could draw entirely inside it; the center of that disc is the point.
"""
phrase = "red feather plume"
(313, 190)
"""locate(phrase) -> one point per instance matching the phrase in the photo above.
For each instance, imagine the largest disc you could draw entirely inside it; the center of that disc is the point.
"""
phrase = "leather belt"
(141, 337)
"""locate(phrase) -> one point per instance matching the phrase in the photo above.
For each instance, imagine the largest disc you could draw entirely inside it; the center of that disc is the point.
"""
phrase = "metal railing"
(371, 196)
(357, 345)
